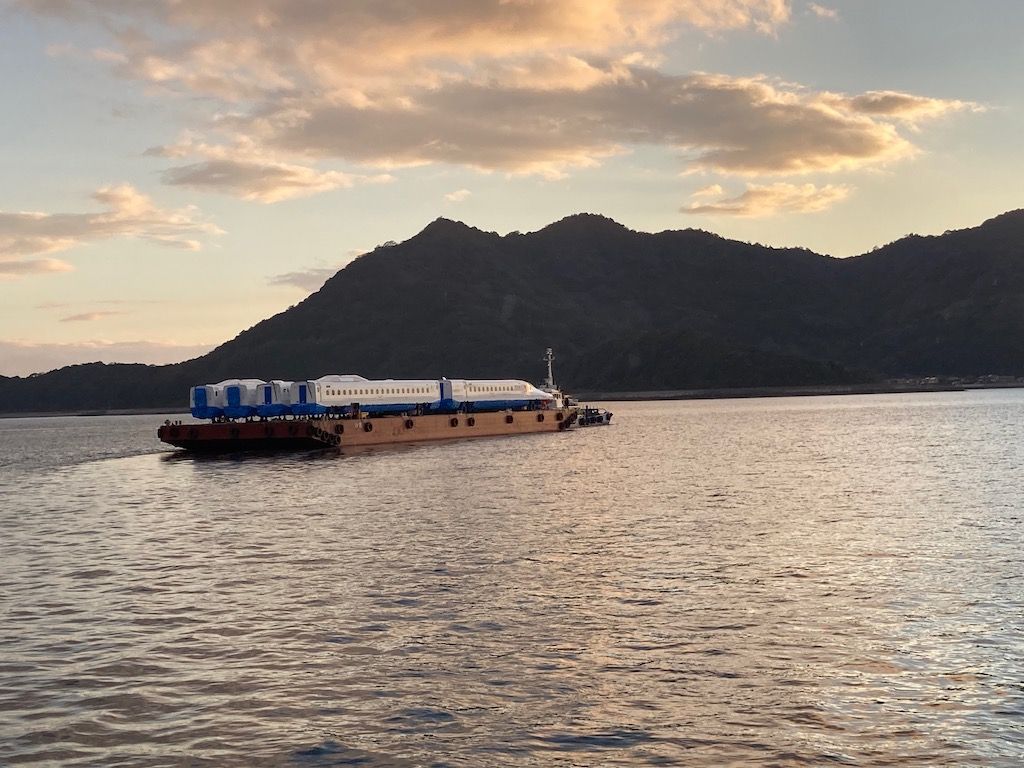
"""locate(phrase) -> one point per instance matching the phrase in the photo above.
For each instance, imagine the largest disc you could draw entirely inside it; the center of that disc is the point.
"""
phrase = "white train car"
(233, 398)
(425, 395)
(204, 401)
(337, 394)
(496, 394)
(240, 396)
(275, 398)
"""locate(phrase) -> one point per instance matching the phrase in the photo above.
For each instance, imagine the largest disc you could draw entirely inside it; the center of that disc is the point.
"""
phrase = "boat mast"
(549, 357)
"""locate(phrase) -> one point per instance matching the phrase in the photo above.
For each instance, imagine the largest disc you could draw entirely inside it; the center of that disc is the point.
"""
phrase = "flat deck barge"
(364, 432)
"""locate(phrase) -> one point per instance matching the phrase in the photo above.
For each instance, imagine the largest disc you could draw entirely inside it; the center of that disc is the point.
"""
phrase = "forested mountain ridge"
(624, 310)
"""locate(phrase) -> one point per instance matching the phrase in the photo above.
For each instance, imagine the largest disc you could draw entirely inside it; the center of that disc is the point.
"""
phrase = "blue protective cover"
(201, 408)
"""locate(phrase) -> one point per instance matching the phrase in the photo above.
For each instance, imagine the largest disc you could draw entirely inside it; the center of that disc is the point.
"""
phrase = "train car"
(241, 396)
(492, 394)
(303, 402)
(204, 401)
(275, 399)
(233, 398)
(337, 394)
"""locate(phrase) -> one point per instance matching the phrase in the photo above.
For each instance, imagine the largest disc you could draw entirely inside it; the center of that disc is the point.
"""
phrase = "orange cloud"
(128, 213)
(767, 200)
(86, 317)
(823, 12)
(22, 267)
(746, 126)
(517, 86)
(237, 49)
(903, 106)
(245, 170)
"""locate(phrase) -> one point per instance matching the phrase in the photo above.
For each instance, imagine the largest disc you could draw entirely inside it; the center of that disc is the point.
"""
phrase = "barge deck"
(282, 434)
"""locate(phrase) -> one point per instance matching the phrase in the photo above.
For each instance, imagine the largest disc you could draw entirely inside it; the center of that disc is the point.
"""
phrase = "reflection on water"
(766, 582)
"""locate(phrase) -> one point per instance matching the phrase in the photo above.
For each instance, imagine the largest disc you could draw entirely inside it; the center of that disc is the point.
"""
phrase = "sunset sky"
(175, 171)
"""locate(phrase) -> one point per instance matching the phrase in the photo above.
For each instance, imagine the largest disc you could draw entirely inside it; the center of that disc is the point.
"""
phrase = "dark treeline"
(624, 310)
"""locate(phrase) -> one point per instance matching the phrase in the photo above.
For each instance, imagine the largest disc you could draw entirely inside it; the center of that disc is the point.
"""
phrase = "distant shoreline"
(652, 395)
(165, 411)
(809, 391)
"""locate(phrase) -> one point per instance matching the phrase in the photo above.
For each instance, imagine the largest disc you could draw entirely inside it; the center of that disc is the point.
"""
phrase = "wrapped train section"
(349, 394)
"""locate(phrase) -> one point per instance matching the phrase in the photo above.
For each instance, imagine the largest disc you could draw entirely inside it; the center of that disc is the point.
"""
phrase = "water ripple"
(826, 581)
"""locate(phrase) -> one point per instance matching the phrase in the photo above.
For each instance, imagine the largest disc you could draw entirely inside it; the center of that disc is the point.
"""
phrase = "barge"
(348, 411)
(360, 431)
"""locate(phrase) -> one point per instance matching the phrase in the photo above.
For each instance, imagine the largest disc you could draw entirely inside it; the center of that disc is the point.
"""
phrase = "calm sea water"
(800, 581)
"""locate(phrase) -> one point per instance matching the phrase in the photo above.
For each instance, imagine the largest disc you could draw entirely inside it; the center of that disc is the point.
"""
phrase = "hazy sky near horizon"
(175, 171)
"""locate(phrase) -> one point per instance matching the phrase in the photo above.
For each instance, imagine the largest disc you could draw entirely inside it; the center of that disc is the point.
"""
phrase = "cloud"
(127, 213)
(104, 302)
(308, 280)
(246, 171)
(903, 106)
(87, 317)
(516, 86)
(745, 126)
(239, 50)
(21, 358)
(22, 267)
(767, 200)
(823, 12)
(714, 190)
(457, 196)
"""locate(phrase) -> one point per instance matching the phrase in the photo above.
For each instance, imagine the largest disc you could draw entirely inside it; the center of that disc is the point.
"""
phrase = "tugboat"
(587, 415)
(593, 417)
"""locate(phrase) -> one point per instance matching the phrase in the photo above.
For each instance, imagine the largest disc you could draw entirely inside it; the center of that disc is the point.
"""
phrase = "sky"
(175, 171)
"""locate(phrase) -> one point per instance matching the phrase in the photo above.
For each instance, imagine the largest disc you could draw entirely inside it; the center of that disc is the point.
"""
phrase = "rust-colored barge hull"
(283, 434)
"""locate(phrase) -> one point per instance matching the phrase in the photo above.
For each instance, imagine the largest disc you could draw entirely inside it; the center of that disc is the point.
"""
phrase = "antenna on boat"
(549, 357)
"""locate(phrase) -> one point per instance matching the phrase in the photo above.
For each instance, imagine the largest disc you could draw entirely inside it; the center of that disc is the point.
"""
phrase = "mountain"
(951, 304)
(623, 310)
